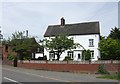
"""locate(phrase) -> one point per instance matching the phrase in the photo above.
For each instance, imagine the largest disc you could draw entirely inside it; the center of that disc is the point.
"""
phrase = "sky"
(35, 16)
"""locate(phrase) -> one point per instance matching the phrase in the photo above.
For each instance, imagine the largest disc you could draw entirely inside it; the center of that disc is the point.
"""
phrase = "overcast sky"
(35, 16)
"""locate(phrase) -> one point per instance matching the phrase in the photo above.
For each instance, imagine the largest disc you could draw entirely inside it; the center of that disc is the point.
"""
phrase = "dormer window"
(91, 42)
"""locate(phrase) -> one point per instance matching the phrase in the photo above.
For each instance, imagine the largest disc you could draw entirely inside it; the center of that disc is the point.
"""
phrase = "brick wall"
(84, 68)
(87, 68)
(4, 54)
(112, 67)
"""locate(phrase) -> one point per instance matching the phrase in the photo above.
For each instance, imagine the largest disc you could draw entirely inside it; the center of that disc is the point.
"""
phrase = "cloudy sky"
(35, 16)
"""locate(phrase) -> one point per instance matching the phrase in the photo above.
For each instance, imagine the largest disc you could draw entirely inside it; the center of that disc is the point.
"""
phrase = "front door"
(78, 56)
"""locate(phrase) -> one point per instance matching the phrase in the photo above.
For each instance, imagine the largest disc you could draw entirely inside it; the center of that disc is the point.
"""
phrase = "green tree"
(110, 49)
(86, 55)
(59, 44)
(115, 33)
(24, 46)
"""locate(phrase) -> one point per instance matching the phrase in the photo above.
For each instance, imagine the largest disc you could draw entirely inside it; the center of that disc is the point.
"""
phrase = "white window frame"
(52, 55)
(92, 54)
(70, 54)
(91, 42)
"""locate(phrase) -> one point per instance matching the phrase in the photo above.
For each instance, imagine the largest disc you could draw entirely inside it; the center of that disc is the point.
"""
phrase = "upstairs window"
(91, 42)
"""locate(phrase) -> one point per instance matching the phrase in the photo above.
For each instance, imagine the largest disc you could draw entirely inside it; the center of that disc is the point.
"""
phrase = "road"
(17, 75)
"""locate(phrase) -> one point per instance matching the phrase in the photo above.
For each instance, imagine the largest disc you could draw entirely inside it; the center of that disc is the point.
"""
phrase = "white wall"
(37, 55)
(46, 53)
(84, 41)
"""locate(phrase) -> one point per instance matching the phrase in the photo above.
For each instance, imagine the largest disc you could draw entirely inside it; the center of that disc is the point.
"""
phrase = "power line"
(98, 11)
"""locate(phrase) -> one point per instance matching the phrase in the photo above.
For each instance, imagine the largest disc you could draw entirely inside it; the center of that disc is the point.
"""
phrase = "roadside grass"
(111, 76)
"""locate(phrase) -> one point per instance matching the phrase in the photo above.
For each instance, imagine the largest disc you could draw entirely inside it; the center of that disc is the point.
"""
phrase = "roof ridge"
(77, 23)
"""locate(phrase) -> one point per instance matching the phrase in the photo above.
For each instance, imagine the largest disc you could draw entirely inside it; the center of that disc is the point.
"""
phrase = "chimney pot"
(26, 33)
(62, 21)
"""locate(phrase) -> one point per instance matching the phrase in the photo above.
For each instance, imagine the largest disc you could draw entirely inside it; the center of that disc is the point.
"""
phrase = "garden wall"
(87, 68)
(65, 66)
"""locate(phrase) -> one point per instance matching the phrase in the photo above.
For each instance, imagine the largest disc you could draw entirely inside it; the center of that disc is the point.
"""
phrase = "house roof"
(73, 29)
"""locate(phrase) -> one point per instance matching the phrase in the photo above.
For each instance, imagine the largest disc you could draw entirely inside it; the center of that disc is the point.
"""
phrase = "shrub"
(67, 58)
(26, 58)
(45, 57)
(40, 58)
(11, 56)
(102, 69)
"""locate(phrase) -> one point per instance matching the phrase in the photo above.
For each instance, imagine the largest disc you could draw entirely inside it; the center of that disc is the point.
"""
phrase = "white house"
(87, 34)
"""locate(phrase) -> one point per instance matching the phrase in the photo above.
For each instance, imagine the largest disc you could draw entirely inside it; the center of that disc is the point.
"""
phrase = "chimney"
(62, 21)
(26, 33)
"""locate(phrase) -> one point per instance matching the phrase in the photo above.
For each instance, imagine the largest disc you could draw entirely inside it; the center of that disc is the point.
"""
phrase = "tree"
(18, 35)
(110, 49)
(115, 33)
(22, 45)
(59, 44)
(110, 46)
(86, 54)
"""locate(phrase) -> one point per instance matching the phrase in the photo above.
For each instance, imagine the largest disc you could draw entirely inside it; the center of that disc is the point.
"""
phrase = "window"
(92, 54)
(38, 49)
(91, 42)
(52, 55)
(70, 54)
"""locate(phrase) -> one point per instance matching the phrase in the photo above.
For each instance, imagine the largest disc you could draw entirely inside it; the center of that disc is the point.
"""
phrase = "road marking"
(11, 80)
(38, 75)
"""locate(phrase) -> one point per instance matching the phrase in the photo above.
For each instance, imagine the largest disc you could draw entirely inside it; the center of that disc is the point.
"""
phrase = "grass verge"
(111, 76)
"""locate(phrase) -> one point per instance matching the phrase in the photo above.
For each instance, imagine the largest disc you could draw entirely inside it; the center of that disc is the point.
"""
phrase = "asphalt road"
(17, 75)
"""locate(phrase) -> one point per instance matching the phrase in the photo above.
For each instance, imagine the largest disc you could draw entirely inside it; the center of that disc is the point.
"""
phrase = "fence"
(71, 62)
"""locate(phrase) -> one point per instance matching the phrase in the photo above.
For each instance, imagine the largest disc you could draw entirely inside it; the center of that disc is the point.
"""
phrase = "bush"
(26, 58)
(11, 56)
(40, 58)
(67, 58)
(45, 57)
(102, 69)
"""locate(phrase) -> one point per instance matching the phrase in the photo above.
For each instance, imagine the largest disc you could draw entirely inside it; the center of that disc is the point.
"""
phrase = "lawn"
(111, 76)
